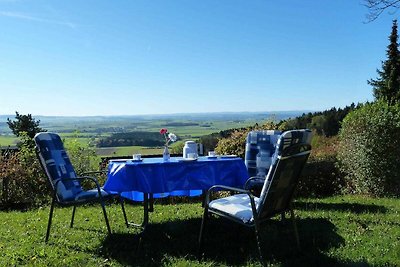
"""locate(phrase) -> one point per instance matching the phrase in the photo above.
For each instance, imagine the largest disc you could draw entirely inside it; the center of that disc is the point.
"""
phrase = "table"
(153, 177)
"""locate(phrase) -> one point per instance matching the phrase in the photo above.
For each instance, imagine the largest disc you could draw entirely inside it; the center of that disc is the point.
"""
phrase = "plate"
(187, 159)
(228, 156)
(119, 160)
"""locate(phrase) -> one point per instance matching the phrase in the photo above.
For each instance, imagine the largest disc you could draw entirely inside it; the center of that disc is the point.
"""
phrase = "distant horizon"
(161, 120)
(170, 114)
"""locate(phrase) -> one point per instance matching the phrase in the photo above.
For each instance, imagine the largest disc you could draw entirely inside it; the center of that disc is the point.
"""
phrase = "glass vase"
(166, 154)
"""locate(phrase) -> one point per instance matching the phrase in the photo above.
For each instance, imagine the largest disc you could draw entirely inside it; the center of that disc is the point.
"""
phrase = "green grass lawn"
(338, 231)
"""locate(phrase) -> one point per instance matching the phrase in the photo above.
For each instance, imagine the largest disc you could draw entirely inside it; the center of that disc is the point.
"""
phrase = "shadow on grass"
(10, 207)
(350, 207)
(225, 243)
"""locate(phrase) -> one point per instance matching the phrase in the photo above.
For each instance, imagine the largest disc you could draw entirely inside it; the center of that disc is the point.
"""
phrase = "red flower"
(163, 131)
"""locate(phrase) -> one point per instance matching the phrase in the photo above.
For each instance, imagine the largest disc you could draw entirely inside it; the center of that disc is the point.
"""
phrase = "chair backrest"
(291, 154)
(57, 165)
(260, 148)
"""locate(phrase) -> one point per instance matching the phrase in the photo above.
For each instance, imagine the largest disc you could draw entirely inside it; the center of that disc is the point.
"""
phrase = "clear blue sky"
(151, 57)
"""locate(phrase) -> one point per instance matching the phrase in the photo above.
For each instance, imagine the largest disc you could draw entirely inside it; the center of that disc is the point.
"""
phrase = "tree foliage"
(387, 85)
(234, 145)
(377, 7)
(138, 138)
(21, 176)
(321, 176)
(369, 149)
(326, 123)
(24, 123)
(84, 159)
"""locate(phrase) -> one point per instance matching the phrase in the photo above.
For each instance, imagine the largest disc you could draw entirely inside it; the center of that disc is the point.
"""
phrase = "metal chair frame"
(74, 203)
(258, 216)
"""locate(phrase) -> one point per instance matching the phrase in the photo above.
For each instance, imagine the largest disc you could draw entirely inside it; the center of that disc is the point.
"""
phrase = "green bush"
(234, 144)
(177, 148)
(84, 159)
(369, 150)
(21, 176)
(321, 177)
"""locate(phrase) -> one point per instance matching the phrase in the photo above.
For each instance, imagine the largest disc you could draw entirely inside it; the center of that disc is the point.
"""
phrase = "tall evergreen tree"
(24, 123)
(387, 85)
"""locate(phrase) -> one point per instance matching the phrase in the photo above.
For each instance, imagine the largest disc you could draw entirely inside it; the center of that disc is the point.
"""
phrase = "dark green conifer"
(387, 85)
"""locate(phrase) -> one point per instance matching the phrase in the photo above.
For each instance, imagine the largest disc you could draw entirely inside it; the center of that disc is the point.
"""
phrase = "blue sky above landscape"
(159, 57)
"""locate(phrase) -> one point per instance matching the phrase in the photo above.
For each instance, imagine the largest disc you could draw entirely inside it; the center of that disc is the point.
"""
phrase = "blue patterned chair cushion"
(57, 165)
(90, 194)
(237, 206)
(263, 144)
(287, 140)
(277, 188)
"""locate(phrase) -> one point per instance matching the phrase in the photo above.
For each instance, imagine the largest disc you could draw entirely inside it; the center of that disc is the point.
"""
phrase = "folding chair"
(292, 151)
(65, 184)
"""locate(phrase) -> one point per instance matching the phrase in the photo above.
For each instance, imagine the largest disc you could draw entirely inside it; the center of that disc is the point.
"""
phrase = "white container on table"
(190, 147)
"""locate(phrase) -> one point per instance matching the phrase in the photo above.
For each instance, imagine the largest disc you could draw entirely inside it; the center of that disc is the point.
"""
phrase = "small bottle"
(166, 154)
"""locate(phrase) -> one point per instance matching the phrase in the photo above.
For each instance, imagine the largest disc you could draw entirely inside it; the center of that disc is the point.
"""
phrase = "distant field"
(8, 140)
(127, 151)
(192, 131)
(88, 130)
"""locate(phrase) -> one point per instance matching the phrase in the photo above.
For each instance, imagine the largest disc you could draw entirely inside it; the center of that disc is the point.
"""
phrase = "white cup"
(191, 155)
(211, 153)
(137, 157)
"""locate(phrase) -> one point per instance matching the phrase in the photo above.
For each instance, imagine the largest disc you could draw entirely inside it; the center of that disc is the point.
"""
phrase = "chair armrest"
(81, 178)
(251, 179)
(227, 188)
(92, 172)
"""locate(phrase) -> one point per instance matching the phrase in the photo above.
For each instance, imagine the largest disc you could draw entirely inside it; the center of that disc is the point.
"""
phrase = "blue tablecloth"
(174, 177)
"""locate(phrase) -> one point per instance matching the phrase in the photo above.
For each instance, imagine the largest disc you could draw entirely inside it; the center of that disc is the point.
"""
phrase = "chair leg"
(49, 222)
(296, 233)
(73, 216)
(121, 200)
(283, 216)
(258, 239)
(202, 231)
(146, 206)
(151, 202)
(105, 216)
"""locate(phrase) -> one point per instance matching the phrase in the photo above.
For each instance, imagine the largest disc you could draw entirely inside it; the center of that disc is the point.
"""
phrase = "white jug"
(190, 147)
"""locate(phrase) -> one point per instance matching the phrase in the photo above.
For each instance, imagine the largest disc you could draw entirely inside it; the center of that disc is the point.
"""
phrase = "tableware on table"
(228, 156)
(187, 159)
(118, 160)
(192, 156)
(190, 147)
(212, 155)
(137, 157)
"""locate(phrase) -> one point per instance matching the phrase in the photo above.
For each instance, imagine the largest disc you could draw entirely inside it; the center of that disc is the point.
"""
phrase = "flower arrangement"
(169, 137)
